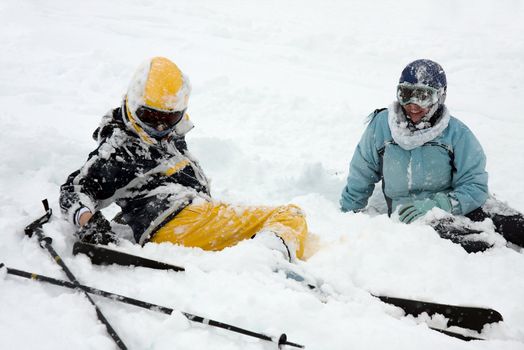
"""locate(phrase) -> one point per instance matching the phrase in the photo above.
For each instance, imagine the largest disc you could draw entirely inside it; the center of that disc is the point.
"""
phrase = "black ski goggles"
(155, 118)
(421, 95)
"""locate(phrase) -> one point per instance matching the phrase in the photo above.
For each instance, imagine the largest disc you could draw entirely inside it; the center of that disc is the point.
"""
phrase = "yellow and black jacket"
(150, 181)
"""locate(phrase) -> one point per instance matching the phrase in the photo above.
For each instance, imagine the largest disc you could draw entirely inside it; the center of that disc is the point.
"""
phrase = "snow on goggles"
(156, 119)
(421, 95)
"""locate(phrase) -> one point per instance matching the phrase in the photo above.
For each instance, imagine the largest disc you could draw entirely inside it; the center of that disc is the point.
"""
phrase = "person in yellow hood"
(143, 165)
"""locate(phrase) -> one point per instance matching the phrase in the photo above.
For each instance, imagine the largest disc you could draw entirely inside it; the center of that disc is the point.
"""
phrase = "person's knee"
(291, 210)
(511, 228)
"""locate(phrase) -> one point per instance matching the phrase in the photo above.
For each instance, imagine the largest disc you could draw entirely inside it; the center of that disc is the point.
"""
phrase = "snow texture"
(281, 90)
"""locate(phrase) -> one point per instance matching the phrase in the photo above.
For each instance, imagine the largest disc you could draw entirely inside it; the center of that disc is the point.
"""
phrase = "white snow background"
(281, 90)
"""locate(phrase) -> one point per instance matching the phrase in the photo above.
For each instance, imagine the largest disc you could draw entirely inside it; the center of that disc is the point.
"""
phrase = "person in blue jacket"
(427, 159)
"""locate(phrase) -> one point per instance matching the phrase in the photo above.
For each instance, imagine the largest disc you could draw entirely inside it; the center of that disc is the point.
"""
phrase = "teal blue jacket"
(453, 163)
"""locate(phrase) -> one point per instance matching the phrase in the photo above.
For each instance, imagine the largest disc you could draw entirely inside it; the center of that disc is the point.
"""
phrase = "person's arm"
(103, 173)
(364, 172)
(75, 200)
(90, 188)
(470, 181)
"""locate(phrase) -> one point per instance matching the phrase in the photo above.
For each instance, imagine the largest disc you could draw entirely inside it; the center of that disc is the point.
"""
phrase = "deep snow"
(281, 90)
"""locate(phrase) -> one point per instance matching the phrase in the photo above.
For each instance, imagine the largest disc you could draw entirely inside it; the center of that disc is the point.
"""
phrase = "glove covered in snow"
(412, 211)
(97, 231)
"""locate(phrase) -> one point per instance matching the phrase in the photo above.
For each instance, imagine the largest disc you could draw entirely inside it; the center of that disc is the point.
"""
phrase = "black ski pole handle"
(38, 223)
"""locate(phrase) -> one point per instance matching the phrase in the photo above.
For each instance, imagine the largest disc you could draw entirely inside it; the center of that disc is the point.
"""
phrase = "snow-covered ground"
(281, 90)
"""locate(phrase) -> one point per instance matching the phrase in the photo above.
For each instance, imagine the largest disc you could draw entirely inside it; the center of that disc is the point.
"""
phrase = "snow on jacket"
(150, 182)
(417, 164)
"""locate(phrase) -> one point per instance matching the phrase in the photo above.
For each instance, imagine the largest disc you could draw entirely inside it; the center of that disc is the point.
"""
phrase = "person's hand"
(84, 218)
(97, 230)
(412, 211)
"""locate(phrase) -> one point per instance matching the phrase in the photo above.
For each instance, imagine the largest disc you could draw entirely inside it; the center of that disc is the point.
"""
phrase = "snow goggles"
(157, 119)
(421, 95)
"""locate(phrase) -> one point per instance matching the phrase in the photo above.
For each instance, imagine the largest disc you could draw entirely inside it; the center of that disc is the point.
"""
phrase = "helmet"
(157, 98)
(422, 82)
(424, 72)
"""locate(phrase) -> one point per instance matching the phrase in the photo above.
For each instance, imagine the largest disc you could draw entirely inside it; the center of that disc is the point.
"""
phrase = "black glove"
(460, 234)
(97, 231)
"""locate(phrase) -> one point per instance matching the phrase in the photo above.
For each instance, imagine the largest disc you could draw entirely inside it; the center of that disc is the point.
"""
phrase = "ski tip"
(495, 316)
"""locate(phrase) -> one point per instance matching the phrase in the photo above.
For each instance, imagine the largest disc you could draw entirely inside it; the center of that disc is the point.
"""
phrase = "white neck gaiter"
(409, 139)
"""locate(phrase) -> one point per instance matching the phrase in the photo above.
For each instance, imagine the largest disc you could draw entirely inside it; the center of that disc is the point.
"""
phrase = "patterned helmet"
(422, 82)
(424, 72)
(157, 97)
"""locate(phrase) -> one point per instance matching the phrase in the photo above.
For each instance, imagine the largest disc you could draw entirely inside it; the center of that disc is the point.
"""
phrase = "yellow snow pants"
(215, 226)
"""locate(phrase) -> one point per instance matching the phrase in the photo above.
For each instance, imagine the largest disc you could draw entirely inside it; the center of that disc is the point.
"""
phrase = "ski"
(102, 255)
(471, 317)
(412, 307)
(468, 317)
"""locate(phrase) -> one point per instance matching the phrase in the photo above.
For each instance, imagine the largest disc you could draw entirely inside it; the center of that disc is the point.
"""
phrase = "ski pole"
(281, 340)
(46, 242)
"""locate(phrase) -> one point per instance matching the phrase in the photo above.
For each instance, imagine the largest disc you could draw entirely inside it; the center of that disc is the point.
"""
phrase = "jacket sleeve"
(97, 180)
(470, 180)
(364, 172)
